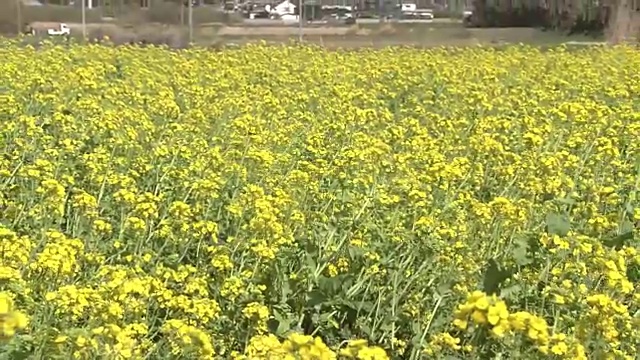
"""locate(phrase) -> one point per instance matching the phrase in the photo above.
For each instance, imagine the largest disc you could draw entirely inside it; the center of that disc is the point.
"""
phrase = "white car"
(63, 30)
(467, 17)
(289, 18)
(419, 14)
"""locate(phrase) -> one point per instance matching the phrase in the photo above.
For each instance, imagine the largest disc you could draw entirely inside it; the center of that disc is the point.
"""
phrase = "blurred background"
(329, 22)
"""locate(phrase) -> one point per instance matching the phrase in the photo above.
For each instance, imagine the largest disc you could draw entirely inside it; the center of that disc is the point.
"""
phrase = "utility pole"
(19, 15)
(182, 13)
(300, 8)
(84, 20)
(190, 21)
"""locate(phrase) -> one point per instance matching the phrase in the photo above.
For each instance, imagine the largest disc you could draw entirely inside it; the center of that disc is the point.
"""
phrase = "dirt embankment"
(43, 26)
(283, 31)
(112, 29)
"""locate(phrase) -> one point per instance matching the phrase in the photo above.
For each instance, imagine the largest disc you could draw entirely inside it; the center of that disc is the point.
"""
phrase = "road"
(272, 22)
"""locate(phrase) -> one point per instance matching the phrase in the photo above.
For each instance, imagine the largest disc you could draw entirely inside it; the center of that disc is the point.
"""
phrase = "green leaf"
(273, 325)
(511, 292)
(520, 252)
(633, 273)
(346, 282)
(329, 285)
(416, 331)
(366, 306)
(439, 322)
(366, 329)
(444, 287)
(311, 262)
(331, 321)
(348, 304)
(345, 196)
(172, 259)
(315, 298)
(286, 290)
(629, 209)
(566, 201)
(626, 227)
(619, 241)
(494, 276)
(327, 318)
(557, 224)
(416, 328)
(283, 327)
(281, 322)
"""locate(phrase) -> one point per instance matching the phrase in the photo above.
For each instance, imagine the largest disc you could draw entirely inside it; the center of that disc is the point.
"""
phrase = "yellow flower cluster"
(485, 310)
(482, 310)
(11, 320)
(360, 349)
(275, 202)
(298, 346)
(188, 340)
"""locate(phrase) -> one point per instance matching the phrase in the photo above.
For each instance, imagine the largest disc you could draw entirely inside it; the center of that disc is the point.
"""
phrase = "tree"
(624, 21)
(479, 16)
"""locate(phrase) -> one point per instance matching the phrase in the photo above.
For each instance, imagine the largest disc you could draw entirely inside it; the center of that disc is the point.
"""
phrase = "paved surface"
(586, 43)
(272, 22)
(411, 21)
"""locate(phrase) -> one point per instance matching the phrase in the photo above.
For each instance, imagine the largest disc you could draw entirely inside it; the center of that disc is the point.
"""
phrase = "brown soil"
(283, 31)
(75, 27)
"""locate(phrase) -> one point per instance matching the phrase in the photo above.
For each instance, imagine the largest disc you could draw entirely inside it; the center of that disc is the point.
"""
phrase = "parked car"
(466, 17)
(418, 14)
(62, 30)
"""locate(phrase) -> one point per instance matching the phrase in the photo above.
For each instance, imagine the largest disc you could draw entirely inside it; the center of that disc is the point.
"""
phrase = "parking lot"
(279, 22)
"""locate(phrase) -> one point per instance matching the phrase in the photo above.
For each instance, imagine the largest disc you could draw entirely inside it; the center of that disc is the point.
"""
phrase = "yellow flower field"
(297, 203)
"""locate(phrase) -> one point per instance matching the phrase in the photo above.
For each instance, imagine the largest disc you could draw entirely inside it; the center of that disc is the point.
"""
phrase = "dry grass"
(386, 29)
(414, 36)
(161, 12)
(150, 33)
(147, 27)
(10, 22)
(283, 31)
(170, 13)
